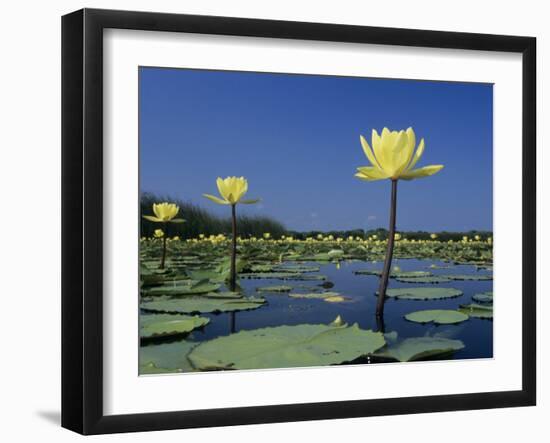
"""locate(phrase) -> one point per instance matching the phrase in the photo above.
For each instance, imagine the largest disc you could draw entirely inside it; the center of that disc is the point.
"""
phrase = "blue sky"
(296, 139)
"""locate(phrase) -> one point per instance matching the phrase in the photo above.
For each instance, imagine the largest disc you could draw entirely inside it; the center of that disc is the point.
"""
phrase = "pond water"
(280, 309)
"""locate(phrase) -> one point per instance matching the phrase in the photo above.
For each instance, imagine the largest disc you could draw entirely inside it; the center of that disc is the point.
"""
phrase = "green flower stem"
(389, 252)
(163, 259)
(233, 275)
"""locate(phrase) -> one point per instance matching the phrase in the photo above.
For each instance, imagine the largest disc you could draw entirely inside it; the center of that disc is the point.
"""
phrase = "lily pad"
(477, 311)
(433, 279)
(438, 316)
(165, 358)
(286, 347)
(469, 277)
(484, 297)
(423, 293)
(202, 287)
(419, 348)
(297, 269)
(282, 276)
(202, 305)
(275, 288)
(398, 274)
(164, 325)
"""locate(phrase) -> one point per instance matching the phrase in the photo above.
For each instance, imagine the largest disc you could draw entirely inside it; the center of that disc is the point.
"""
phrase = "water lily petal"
(373, 172)
(368, 152)
(152, 218)
(417, 155)
(421, 172)
(407, 151)
(216, 199)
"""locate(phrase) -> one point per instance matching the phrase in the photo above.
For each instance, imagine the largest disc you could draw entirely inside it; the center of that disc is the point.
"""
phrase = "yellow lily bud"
(159, 233)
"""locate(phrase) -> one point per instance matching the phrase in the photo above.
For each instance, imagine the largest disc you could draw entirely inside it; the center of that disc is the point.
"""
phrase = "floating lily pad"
(222, 295)
(478, 311)
(423, 293)
(484, 297)
(282, 276)
(419, 348)
(165, 358)
(297, 269)
(286, 347)
(202, 305)
(396, 274)
(164, 325)
(180, 289)
(438, 316)
(469, 277)
(432, 280)
(275, 288)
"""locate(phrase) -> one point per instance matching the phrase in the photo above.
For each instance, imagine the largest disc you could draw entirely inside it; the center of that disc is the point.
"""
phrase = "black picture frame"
(82, 218)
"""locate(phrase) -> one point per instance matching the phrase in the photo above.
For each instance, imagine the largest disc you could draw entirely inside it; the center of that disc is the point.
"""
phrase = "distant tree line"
(200, 221)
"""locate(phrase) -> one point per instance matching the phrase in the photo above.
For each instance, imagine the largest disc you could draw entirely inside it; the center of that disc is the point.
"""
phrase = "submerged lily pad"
(419, 348)
(331, 297)
(423, 293)
(164, 325)
(484, 297)
(478, 311)
(438, 316)
(275, 288)
(469, 277)
(286, 347)
(165, 358)
(202, 305)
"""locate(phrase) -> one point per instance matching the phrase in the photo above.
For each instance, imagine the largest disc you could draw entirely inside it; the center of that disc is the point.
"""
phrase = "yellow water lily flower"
(267, 235)
(433, 236)
(477, 238)
(393, 157)
(397, 236)
(232, 190)
(159, 233)
(164, 212)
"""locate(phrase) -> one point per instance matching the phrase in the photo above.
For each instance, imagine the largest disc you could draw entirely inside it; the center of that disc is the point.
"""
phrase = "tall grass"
(200, 221)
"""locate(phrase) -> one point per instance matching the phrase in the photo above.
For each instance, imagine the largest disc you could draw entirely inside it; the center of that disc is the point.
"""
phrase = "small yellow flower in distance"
(159, 233)
(320, 236)
(330, 237)
(374, 237)
(396, 269)
(433, 236)
(267, 235)
(176, 238)
(465, 238)
(164, 212)
(201, 236)
(393, 157)
(490, 240)
(232, 190)
(397, 236)
(477, 237)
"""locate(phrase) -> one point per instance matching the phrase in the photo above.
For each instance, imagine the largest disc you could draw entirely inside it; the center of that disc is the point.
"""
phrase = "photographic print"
(291, 220)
